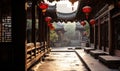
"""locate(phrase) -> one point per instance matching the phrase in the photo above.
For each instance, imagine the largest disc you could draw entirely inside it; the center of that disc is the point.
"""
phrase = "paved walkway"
(69, 59)
(92, 63)
(62, 61)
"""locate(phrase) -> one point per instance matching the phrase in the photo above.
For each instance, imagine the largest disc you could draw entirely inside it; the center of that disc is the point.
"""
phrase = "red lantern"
(52, 28)
(43, 6)
(49, 24)
(48, 19)
(92, 21)
(82, 23)
(87, 10)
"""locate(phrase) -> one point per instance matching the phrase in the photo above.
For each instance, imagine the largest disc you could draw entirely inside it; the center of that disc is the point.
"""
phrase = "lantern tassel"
(44, 11)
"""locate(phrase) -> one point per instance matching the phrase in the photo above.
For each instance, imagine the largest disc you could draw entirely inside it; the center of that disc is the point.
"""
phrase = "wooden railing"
(34, 53)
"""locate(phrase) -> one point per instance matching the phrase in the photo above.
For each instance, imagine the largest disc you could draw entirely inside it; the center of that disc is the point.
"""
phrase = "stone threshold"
(91, 63)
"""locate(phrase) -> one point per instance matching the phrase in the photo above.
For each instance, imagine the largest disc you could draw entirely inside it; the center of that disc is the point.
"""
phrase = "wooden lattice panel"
(5, 30)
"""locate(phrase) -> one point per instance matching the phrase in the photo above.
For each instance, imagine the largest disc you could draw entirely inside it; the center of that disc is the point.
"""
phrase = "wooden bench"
(96, 53)
(110, 61)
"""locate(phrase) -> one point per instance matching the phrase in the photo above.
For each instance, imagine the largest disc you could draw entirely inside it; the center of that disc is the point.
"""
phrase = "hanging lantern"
(52, 27)
(92, 21)
(48, 19)
(82, 23)
(87, 10)
(49, 24)
(43, 6)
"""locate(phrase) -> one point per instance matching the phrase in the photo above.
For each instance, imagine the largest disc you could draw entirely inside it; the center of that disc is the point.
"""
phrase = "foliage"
(70, 28)
(87, 29)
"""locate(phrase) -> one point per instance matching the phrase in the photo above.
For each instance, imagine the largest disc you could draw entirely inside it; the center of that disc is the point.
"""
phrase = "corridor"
(42, 35)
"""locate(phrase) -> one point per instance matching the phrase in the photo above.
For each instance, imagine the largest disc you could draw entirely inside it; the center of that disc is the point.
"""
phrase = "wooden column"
(99, 35)
(19, 34)
(110, 36)
(39, 25)
(95, 36)
(33, 22)
(48, 37)
(43, 31)
(91, 34)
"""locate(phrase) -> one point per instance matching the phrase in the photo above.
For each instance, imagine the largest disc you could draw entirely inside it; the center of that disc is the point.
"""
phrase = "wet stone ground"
(62, 61)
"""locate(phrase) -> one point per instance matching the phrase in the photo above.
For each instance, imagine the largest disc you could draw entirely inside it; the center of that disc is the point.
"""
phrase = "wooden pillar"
(48, 37)
(43, 32)
(99, 34)
(110, 35)
(47, 33)
(91, 34)
(19, 34)
(43, 29)
(40, 24)
(33, 22)
(95, 36)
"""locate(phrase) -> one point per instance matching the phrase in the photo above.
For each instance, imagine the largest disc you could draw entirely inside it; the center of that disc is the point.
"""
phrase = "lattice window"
(5, 29)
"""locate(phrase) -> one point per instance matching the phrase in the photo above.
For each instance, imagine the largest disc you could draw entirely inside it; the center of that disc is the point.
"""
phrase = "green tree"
(70, 28)
(87, 28)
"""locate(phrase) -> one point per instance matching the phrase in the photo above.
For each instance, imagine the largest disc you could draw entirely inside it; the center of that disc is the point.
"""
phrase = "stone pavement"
(62, 61)
(70, 59)
(92, 63)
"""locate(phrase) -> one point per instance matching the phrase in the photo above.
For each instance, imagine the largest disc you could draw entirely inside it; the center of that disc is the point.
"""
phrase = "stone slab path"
(62, 61)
